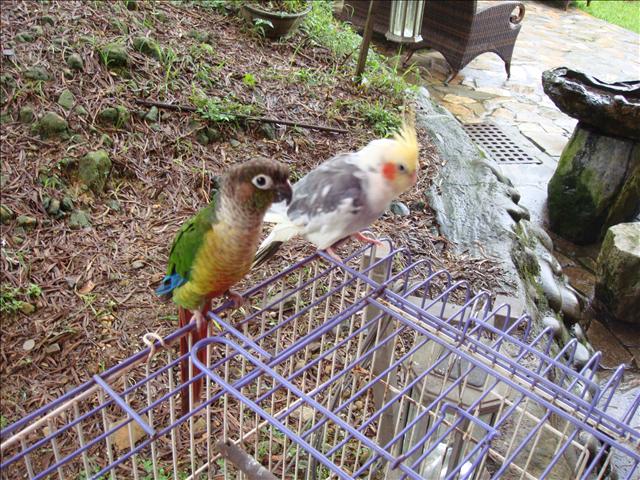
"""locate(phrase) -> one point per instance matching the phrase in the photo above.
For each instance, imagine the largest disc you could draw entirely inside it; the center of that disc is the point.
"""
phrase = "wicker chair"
(457, 29)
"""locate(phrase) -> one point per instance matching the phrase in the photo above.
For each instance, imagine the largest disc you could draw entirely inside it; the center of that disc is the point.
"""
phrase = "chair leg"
(451, 76)
(409, 55)
(507, 67)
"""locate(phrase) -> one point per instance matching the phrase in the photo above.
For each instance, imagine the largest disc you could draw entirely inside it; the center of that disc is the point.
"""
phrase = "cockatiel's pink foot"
(236, 298)
(359, 236)
(332, 253)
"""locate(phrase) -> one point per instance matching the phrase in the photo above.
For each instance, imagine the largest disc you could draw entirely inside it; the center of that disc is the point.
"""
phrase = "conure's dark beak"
(284, 192)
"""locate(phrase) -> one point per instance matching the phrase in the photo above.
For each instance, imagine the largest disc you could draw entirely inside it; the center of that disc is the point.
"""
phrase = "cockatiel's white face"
(395, 159)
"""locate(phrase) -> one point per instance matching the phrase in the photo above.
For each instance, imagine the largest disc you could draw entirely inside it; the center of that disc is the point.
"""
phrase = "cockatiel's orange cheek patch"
(389, 171)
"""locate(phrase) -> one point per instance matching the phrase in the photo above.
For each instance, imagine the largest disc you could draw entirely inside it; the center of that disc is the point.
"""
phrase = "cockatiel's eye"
(262, 181)
(402, 168)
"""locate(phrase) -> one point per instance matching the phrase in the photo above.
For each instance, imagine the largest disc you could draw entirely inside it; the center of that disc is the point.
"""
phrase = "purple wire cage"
(379, 368)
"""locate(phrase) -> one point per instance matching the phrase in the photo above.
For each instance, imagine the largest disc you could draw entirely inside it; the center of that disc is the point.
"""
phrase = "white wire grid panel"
(379, 368)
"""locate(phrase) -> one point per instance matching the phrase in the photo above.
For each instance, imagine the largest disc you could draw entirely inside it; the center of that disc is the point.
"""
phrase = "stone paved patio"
(550, 38)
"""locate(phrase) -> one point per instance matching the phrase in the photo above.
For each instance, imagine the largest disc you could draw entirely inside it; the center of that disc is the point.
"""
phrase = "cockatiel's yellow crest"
(407, 146)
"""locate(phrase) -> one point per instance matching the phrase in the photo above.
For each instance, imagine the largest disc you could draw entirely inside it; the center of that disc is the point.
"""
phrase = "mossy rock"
(120, 26)
(25, 37)
(7, 81)
(36, 74)
(5, 117)
(75, 62)
(93, 170)
(6, 214)
(590, 174)
(26, 222)
(26, 114)
(81, 111)
(148, 46)
(117, 116)
(152, 115)
(79, 219)
(200, 36)
(52, 125)
(114, 55)
(66, 99)
(47, 20)
(617, 279)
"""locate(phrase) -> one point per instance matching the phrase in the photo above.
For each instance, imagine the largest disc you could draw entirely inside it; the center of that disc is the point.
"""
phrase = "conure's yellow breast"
(223, 259)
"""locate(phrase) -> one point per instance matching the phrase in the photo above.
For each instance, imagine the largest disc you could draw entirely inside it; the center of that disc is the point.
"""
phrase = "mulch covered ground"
(93, 287)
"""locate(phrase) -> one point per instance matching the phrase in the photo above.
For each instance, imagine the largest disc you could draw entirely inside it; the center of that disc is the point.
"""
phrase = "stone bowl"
(283, 23)
(610, 108)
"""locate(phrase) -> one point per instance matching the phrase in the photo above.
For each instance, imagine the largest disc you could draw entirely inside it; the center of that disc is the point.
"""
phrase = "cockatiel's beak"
(284, 192)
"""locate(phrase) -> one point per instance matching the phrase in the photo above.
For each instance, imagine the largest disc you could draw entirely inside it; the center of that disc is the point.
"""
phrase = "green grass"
(624, 13)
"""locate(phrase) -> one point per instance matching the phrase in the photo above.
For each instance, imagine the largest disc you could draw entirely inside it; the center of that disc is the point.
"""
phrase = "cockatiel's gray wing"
(328, 204)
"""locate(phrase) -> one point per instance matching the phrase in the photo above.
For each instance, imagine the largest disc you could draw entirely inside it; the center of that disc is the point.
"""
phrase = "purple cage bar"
(380, 367)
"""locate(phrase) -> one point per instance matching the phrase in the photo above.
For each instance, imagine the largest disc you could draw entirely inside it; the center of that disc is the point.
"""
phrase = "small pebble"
(29, 345)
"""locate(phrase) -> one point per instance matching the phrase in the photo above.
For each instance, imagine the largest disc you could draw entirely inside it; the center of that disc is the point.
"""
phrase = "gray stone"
(570, 305)
(550, 286)
(399, 208)
(53, 208)
(137, 265)
(611, 108)
(268, 130)
(114, 55)
(6, 214)
(513, 194)
(66, 99)
(52, 125)
(114, 205)
(75, 62)
(93, 170)
(518, 212)
(148, 46)
(618, 278)
(36, 74)
(26, 114)
(590, 175)
(26, 221)
(79, 219)
(554, 324)
(542, 236)
(581, 356)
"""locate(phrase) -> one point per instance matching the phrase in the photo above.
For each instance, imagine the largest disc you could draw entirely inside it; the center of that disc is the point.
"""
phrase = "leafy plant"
(249, 80)
(222, 110)
(12, 298)
(259, 25)
(287, 6)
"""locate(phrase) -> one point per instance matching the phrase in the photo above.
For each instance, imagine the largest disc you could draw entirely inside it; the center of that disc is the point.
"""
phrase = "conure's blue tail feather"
(170, 283)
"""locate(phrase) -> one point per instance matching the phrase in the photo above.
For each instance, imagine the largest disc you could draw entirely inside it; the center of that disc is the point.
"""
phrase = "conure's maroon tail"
(184, 317)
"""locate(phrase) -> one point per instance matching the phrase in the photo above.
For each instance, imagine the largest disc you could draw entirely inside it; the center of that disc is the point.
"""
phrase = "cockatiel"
(214, 249)
(344, 195)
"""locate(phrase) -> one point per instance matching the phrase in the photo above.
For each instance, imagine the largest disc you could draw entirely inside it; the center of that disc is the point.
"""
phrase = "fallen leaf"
(87, 288)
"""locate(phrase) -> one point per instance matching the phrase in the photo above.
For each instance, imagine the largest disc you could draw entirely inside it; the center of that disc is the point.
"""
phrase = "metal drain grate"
(497, 143)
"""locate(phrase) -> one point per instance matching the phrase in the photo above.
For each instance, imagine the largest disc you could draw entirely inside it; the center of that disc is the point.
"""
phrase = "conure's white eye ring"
(262, 181)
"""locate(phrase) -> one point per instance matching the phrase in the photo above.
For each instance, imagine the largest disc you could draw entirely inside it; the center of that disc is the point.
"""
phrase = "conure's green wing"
(185, 247)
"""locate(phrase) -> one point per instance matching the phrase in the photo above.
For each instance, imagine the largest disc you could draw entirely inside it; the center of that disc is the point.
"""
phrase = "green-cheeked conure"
(214, 249)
